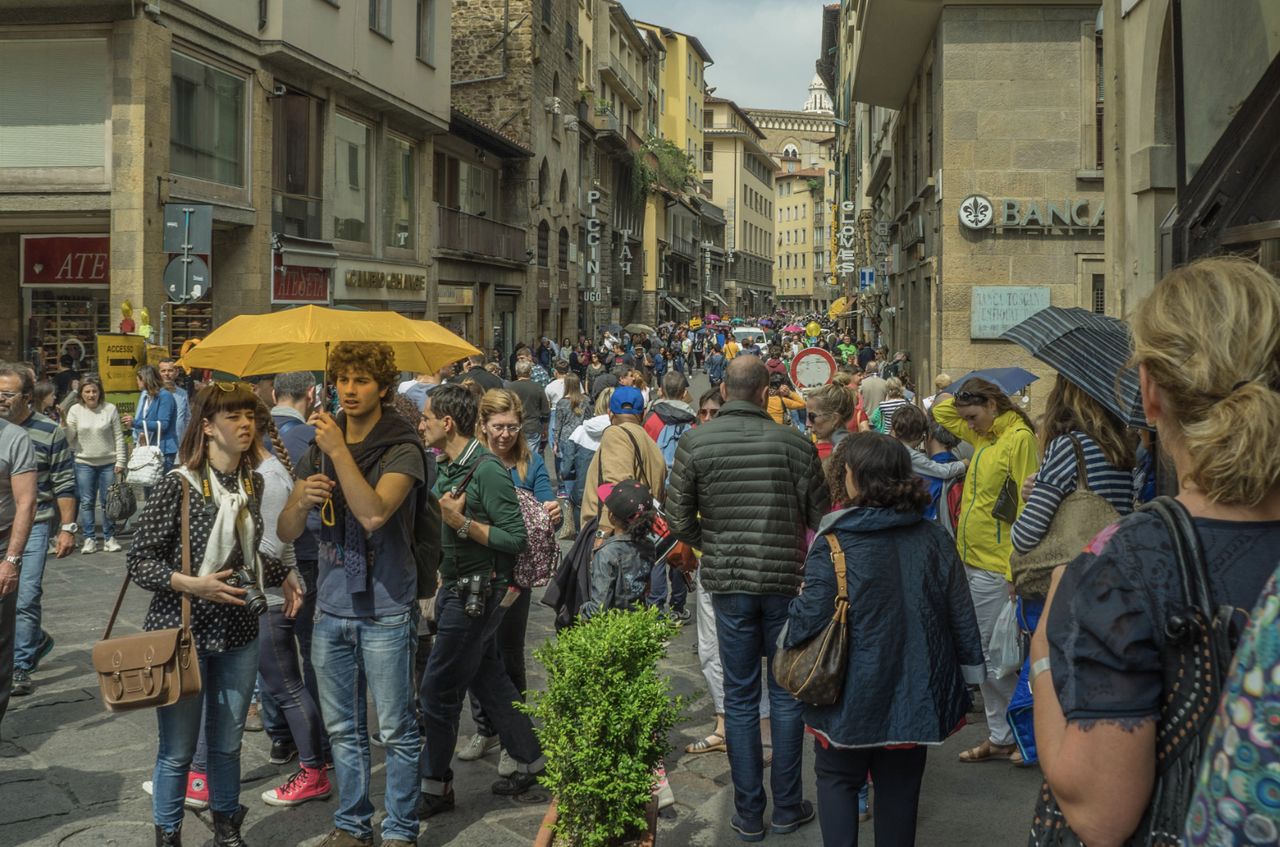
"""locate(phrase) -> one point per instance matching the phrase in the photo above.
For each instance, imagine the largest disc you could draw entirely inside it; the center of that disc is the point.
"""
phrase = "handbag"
(121, 502)
(1196, 657)
(1006, 505)
(814, 672)
(146, 462)
(150, 669)
(1081, 515)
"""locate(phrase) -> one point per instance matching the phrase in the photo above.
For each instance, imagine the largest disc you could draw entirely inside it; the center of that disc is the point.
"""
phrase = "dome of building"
(819, 100)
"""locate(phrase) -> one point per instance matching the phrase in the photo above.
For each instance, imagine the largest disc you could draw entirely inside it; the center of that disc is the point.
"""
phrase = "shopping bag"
(1006, 643)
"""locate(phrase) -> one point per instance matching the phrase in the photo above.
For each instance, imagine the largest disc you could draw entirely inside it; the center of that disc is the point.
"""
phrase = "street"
(71, 774)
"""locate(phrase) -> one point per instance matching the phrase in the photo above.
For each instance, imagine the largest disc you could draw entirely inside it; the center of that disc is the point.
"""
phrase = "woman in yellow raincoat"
(1005, 453)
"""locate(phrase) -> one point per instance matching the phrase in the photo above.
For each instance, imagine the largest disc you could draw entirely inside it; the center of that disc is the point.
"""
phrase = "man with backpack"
(365, 474)
(669, 419)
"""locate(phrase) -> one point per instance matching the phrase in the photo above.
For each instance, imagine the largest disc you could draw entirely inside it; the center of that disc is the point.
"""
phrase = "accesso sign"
(1072, 214)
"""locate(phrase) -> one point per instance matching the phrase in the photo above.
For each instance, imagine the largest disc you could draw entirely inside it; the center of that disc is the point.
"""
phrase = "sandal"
(713, 743)
(986, 751)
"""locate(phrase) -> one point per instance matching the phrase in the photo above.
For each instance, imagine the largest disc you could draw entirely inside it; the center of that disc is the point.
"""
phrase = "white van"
(742, 333)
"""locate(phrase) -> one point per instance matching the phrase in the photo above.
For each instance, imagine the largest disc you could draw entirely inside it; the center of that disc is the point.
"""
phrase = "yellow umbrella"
(837, 308)
(299, 340)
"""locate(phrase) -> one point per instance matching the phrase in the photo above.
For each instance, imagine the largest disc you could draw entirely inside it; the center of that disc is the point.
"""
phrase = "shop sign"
(82, 260)
(993, 309)
(978, 212)
(593, 238)
(457, 296)
(624, 256)
(118, 359)
(387, 280)
(847, 240)
(296, 284)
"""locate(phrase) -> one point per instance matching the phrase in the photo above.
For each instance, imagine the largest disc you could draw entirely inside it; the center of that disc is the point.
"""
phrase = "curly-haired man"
(362, 474)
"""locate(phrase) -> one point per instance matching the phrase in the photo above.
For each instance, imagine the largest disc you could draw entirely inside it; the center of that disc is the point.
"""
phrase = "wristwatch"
(15, 560)
(465, 528)
(72, 527)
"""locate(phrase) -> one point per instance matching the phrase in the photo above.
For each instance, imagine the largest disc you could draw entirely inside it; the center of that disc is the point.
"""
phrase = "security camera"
(278, 90)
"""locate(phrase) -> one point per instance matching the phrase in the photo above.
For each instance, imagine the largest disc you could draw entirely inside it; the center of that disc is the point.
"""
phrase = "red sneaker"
(197, 791)
(306, 784)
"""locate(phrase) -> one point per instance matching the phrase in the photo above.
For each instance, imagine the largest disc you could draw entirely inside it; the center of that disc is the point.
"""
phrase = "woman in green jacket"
(1005, 454)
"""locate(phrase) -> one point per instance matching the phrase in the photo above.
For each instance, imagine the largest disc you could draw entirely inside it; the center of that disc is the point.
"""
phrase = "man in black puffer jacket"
(743, 490)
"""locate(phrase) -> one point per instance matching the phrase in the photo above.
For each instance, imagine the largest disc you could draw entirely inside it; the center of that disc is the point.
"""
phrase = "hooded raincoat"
(1008, 451)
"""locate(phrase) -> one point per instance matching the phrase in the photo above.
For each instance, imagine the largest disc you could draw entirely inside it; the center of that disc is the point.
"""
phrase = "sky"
(764, 50)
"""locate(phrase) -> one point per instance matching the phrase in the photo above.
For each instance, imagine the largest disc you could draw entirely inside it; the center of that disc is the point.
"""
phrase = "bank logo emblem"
(976, 212)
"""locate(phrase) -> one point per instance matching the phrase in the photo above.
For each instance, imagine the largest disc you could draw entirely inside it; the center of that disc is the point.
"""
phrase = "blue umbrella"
(1010, 380)
(1089, 350)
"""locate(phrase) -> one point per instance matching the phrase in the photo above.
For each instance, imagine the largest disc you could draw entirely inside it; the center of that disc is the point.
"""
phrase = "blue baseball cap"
(626, 400)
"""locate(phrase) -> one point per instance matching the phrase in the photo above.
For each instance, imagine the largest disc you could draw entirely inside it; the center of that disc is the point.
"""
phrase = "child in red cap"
(620, 566)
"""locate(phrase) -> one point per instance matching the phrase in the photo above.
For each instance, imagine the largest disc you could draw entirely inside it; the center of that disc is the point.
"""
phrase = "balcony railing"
(624, 80)
(480, 236)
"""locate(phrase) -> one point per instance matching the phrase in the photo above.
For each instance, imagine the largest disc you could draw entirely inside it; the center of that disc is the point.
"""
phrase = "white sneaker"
(90, 546)
(478, 747)
(111, 546)
(506, 765)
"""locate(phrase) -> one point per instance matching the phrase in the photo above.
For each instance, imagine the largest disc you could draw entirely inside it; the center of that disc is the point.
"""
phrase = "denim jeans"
(747, 627)
(510, 638)
(352, 655)
(29, 635)
(92, 482)
(227, 685)
(465, 655)
(658, 587)
(284, 687)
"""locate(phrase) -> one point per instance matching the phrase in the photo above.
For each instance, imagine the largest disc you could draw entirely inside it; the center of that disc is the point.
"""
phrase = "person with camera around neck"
(484, 530)
(365, 475)
(217, 477)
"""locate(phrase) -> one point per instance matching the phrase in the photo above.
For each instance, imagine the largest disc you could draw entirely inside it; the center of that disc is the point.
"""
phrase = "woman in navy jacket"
(914, 644)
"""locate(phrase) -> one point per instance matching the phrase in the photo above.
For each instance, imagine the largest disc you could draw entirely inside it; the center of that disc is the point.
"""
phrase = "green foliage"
(674, 168)
(603, 723)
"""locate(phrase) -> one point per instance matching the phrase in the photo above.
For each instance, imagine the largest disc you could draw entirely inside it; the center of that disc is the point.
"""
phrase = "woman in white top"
(96, 436)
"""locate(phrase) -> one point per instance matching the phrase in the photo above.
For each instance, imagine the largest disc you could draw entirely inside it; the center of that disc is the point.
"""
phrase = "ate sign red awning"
(78, 260)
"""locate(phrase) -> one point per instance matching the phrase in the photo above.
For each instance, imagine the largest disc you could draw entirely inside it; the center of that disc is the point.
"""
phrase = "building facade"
(738, 175)
(972, 167)
(311, 148)
(1189, 135)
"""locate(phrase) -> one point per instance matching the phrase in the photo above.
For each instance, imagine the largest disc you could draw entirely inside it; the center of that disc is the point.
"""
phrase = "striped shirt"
(55, 475)
(1057, 478)
(887, 410)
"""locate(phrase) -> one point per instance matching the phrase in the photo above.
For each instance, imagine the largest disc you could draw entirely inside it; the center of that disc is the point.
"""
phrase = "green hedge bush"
(603, 723)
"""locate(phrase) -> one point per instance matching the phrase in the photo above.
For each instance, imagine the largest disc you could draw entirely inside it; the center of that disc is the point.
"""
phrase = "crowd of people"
(374, 539)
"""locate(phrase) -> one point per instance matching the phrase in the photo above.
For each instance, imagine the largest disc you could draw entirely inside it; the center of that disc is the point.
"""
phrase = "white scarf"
(234, 520)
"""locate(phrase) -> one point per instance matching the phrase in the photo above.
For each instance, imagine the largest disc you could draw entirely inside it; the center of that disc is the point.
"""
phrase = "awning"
(715, 298)
(674, 302)
(304, 252)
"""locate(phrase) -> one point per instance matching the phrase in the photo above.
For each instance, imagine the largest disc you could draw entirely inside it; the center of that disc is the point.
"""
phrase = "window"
(562, 249)
(1099, 294)
(380, 17)
(546, 13)
(398, 218)
(544, 245)
(708, 156)
(426, 31)
(563, 196)
(351, 142)
(1098, 97)
(544, 177)
(297, 165)
(207, 124)
(708, 118)
(55, 98)
(570, 39)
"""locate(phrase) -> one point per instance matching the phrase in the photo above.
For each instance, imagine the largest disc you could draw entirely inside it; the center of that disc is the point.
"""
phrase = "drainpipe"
(507, 29)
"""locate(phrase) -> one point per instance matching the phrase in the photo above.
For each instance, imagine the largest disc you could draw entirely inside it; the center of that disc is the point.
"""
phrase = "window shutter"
(54, 103)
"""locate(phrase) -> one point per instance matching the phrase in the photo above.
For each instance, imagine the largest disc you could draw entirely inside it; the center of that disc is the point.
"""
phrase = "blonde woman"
(894, 399)
(96, 437)
(1207, 347)
(500, 416)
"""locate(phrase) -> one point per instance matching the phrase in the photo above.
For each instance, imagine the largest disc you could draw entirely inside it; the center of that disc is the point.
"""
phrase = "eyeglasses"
(9, 395)
(507, 428)
(968, 398)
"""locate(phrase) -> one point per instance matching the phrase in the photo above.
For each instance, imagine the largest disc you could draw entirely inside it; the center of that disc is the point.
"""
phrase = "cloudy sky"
(764, 50)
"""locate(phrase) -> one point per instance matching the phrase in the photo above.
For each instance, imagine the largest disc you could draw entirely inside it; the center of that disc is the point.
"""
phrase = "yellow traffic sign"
(118, 359)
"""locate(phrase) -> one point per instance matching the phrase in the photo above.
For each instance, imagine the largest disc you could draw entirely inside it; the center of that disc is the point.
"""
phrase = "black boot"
(168, 839)
(226, 828)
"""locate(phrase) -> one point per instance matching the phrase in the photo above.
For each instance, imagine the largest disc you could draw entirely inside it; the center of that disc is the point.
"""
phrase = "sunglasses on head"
(968, 398)
(229, 387)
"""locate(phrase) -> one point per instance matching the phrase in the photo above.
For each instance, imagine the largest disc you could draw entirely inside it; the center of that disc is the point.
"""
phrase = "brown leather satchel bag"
(150, 669)
(814, 672)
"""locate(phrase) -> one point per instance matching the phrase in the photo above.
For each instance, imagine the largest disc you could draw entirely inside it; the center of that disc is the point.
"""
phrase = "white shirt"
(555, 391)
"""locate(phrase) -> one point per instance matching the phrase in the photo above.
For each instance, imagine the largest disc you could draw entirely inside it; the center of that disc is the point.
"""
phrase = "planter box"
(546, 837)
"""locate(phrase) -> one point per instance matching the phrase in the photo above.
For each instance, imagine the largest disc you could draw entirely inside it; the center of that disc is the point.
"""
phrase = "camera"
(254, 600)
(472, 589)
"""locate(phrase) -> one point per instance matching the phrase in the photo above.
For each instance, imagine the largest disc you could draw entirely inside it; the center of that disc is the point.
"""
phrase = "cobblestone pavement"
(71, 774)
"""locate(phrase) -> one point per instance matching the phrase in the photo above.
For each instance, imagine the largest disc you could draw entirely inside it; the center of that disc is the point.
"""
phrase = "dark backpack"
(428, 529)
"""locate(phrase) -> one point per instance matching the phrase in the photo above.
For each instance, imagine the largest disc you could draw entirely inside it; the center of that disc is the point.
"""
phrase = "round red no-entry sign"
(812, 367)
